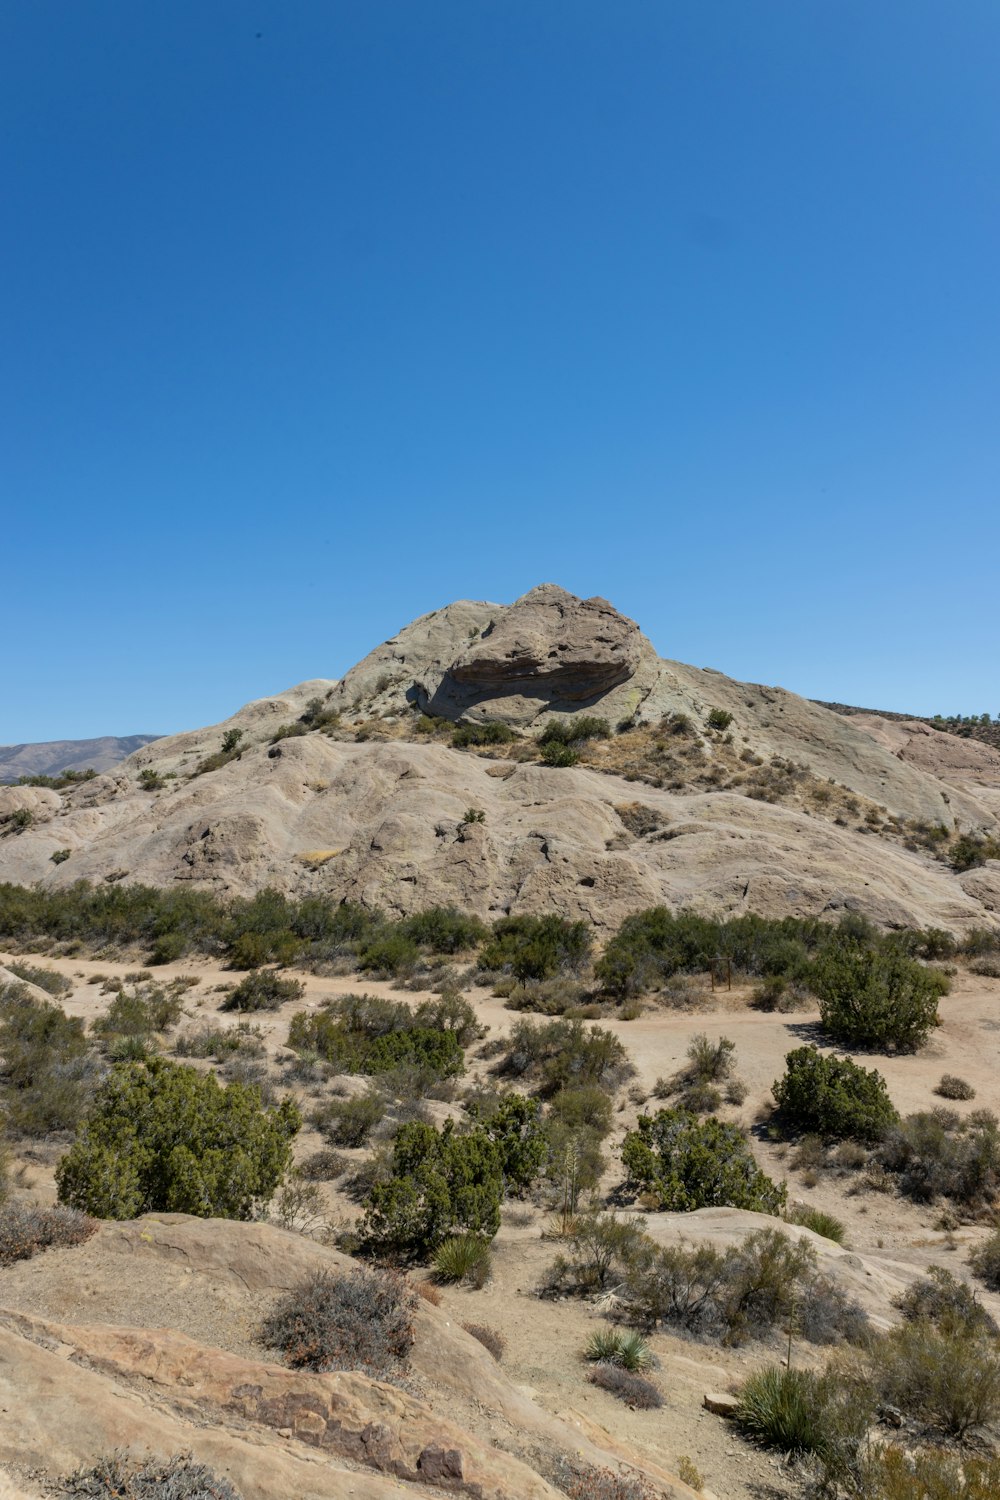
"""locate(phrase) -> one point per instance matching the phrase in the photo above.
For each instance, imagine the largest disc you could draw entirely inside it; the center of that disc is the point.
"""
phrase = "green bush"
(49, 980)
(719, 719)
(575, 731)
(564, 1054)
(331, 1321)
(514, 1124)
(890, 1473)
(833, 1097)
(365, 1034)
(942, 1299)
(556, 754)
(444, 929)
(536, 947)
(492, 732)
(440, 1183)
(985, 1261)
(938, 1153)
(601, 1249)
(163, 1137)
(262, 989)
(47, 1069)
(687, 1163)
(139, 1013)
(876, 997)
(948, 1377)
(349, 1122)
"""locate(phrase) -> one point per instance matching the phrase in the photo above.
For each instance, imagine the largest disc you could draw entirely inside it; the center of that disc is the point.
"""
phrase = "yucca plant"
(464, 1257)
(611, 1346)
(828, 1225)
(781, 1409)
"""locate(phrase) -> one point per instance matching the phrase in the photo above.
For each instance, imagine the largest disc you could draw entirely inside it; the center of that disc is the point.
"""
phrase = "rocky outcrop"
(71, 1391)
(382, 821)
(549, 652)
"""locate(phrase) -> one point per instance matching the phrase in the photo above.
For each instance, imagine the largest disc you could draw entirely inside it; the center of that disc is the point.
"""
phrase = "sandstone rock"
(722, 1404)
(549, 651)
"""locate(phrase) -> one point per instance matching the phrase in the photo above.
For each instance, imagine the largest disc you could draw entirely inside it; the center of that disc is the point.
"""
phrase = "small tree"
(833, 1097)
(689, 1163)
(876, 997)
(162, 1136)
(441, 1184)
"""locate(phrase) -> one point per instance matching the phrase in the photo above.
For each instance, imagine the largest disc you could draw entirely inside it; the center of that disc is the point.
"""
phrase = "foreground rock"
(71, 1391)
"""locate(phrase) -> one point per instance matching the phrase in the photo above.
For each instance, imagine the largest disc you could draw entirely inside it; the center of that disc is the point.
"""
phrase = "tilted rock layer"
(381, 820)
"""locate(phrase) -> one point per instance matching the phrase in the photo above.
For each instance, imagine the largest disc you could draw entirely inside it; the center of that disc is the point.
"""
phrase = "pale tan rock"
(721, 1403)
(386, 816)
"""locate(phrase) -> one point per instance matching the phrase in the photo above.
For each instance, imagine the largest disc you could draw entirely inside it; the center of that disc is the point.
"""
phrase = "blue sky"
(316, 316)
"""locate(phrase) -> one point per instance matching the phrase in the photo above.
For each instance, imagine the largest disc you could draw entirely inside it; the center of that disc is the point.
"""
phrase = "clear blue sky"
(319, 314)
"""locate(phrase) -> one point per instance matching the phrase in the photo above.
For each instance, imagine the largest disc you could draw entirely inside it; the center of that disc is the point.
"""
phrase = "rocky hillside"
(53, 757)
(722, 795)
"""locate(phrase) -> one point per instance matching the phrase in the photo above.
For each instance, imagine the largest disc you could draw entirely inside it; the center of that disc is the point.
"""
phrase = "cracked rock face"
(547, 650)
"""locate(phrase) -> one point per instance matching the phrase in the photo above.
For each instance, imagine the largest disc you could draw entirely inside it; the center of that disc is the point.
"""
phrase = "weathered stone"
(721, 1403)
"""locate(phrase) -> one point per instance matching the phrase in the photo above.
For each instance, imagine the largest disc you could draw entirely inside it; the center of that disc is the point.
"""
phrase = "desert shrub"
(719, 719)
(565, 1054)
(324, 1165)
(48, 980)
(604, 1484)
(490, 1338)
(388, 951)
(124, 1478)
(514, 1124)
(833, 1097)
(948, 1376)
(634, 1390)
(60, 856)
(653, 945)
(492, 732)
(876, 997)
(349, 1122)
(985, 1261)
(600, 1249)
(27, 1228)
(331, 1321)
(972, 849)
(536, 947)
(444, 929)
(942, 1299)
(47, 1070)
(221, 1042)
(365, 1034)
(140, 1013)
(557, 754)
(950, 1087)
(617, 1346)
(575, 731)
(582, 1106)
(938, 1153)
(163, 1137)
(820, 1222)
(438, 1183)
(890, 1473)
(708, 1061)
(463, 1257)
(687, 1163)
(262, 989)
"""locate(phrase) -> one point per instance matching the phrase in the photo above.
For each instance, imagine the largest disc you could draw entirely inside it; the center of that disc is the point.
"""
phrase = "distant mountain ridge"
(51, 757)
